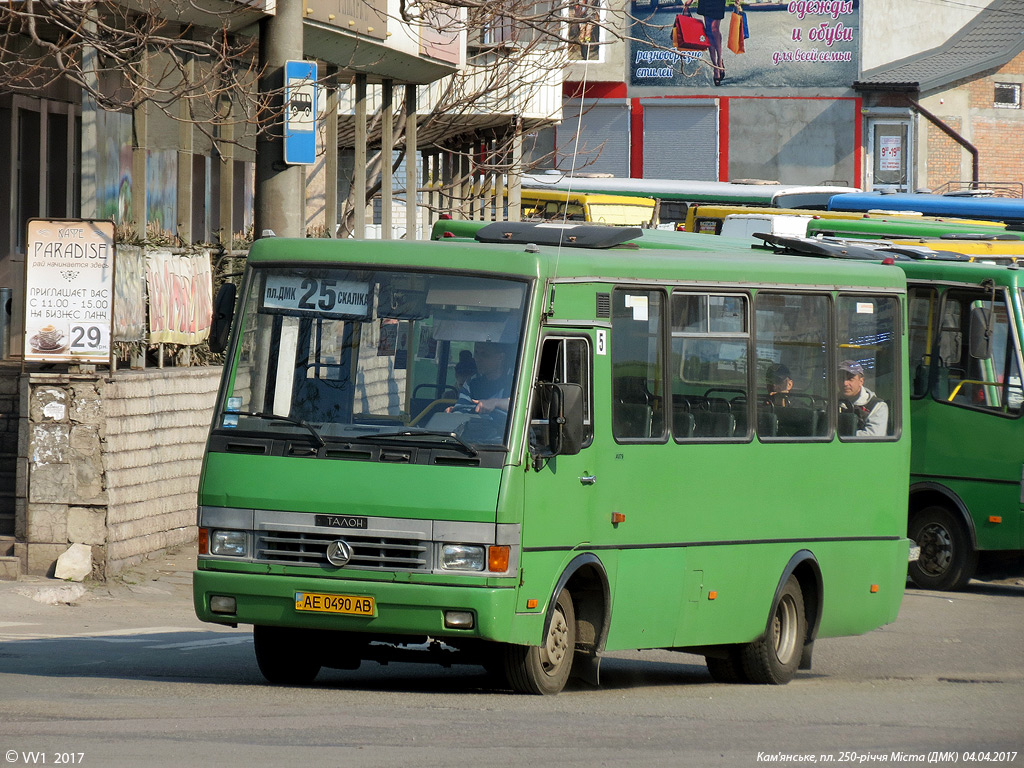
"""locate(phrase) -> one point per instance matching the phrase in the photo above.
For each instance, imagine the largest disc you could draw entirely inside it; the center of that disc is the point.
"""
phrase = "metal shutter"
(604, 137)
(681, 139)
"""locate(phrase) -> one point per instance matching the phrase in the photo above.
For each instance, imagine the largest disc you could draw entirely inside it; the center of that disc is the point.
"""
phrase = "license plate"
(354, 605)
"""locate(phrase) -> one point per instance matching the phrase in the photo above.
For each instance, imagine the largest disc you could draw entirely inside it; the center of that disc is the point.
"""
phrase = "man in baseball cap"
(872, 414)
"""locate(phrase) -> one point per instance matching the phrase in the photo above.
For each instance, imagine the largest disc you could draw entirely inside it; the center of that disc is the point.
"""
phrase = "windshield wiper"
(289, 419)
(407, 433)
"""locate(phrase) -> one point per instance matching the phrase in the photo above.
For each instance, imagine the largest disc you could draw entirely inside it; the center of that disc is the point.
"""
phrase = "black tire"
(947, 560)
(727, 669)
(774, 658)
(283, 658)
(544, 669)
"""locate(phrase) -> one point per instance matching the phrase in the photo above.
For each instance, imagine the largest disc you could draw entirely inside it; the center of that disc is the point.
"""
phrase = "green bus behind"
(967, 456)
(614, 475)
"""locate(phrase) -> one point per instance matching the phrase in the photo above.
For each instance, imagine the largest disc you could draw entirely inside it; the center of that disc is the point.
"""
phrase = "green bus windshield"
(363, 354)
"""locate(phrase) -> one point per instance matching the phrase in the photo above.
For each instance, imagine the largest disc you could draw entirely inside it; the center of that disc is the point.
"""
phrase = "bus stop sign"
(300, 112)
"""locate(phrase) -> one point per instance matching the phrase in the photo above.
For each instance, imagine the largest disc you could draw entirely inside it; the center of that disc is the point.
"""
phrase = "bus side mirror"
(565, 418)
(981, 333)
(223, 310)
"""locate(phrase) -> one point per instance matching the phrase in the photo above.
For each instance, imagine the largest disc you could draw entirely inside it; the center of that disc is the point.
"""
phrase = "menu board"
(69, 288)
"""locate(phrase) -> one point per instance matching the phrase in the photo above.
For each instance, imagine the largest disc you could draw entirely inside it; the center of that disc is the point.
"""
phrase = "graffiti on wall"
(180, 290)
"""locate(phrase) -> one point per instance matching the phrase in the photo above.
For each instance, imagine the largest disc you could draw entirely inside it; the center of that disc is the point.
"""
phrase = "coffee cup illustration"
(49, 337)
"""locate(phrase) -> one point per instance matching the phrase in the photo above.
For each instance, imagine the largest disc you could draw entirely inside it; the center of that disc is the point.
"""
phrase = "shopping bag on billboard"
(688, 34)
(736, 32)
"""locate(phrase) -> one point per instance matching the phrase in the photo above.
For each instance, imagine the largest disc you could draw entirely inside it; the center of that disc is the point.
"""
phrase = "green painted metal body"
(894, 229)
(701, 520)
(974, 457)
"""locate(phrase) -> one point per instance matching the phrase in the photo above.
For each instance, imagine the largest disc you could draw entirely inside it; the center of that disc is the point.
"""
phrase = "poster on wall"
(180, 290)
(798, 44)
(69, 280)
(890, 153)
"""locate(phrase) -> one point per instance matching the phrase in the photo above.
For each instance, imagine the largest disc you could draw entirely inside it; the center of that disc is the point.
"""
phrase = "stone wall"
(109, 462)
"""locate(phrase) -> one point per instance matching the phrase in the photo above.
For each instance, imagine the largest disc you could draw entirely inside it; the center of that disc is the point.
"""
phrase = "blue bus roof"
(1009, 209)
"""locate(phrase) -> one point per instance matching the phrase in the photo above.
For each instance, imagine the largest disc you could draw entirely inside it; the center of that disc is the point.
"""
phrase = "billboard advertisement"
(798, 44)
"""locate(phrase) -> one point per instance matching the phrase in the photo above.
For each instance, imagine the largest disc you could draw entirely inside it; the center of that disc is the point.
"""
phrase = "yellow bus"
(549, 205)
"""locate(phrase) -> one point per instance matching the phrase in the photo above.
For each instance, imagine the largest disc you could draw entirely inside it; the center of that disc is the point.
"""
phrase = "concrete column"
(387, 147)
(225, 155)
(140, 127)
(412, 211)
(90, 137)
(515, 174)
(280, 190)
(331, 153)
(186, 146)
(359, 172)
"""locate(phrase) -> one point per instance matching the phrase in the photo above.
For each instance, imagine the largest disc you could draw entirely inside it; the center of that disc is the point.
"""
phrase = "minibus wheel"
(282, 658)
(947, 560)
(544, 669)
(773, 658)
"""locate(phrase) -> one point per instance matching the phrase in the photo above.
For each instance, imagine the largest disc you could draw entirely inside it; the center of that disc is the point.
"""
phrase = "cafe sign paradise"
(69, 282)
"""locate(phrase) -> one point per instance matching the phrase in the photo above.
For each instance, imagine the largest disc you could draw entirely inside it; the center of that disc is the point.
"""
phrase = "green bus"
(967, 454)
(891, 228)
(615, 475)
(966, 506)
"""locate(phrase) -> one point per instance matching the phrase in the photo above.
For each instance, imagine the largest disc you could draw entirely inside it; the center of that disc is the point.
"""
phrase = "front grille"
(379, 553)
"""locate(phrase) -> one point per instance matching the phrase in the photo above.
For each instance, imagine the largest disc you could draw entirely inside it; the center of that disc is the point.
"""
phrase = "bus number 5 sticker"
(602, 342)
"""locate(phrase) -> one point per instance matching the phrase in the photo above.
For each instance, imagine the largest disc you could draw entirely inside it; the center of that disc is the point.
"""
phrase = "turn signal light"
(204, 541)
(618, 517)
(497, 559)
(995, 518)
(874, 588)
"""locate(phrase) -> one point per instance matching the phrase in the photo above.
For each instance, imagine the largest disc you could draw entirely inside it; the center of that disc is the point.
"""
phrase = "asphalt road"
(124, 675)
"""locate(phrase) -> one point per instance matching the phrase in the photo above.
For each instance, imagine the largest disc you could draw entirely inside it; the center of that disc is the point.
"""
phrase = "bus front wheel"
(283, 658)
(773, 658)
(947, 560)
(544, 669)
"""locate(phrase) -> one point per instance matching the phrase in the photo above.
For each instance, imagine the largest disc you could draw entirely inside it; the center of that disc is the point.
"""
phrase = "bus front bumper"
(398, 608)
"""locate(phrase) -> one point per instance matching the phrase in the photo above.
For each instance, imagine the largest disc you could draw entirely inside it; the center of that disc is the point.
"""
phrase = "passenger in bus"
(872, 414)
(489, 389)
(465, 369)
(780, 384)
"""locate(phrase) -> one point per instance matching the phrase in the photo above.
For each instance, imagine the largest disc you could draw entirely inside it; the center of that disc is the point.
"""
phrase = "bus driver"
(872, 414)
(490, 388)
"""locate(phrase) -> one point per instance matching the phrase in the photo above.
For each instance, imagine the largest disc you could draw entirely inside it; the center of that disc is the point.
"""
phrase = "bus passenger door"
(559, 506)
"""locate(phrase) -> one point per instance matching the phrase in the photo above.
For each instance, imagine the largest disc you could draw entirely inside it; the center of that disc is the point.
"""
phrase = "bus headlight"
(463, 557)
(231, 543)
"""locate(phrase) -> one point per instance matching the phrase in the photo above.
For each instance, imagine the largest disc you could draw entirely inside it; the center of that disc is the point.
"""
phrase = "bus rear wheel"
(773, 658)
(283, 658)
(544, 669)
(947, 560)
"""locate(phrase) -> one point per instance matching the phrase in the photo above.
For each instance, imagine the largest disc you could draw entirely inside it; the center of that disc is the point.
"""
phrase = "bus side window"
(710, 352)
(868, 378)
(791, 374)
(979, 360)
(563, 361)
(923, 302)
(638, 388)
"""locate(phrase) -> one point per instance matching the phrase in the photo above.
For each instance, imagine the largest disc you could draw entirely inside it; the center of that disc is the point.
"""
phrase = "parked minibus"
(614, 475)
